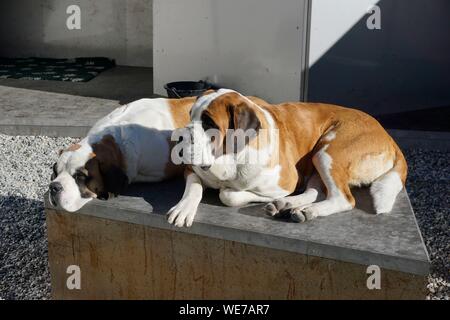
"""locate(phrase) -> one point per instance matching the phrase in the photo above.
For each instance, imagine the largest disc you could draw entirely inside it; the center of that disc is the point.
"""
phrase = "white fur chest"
(249, 177)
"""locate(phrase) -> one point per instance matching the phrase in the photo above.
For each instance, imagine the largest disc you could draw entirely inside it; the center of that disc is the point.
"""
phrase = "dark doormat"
(74, 70)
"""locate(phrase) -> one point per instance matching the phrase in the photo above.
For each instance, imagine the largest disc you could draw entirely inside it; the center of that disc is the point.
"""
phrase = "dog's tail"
(385, 189)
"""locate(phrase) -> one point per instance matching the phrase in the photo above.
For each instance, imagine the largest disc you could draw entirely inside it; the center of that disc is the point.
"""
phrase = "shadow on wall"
(402, 67)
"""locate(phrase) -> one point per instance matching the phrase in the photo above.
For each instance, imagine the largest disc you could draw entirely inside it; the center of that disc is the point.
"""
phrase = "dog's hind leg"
(339, 197)
(385, 189)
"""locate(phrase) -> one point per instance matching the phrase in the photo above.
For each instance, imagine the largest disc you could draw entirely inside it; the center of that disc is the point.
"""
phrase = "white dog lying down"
(298, 146)
(131, 144)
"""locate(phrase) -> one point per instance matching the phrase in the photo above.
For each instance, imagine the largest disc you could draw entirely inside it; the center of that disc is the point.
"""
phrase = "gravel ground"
(428, 187)
(25, 168)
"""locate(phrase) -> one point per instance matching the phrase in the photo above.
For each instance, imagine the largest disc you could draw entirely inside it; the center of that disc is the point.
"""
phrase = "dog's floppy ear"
(111, 165)
(115, 180)
(244, 117)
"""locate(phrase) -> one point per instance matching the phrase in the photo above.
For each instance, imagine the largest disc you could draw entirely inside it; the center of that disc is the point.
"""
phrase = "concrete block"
(126, 249)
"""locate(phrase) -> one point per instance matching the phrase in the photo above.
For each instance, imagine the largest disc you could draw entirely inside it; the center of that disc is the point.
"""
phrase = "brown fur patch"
(179, 109)
(209, 91)
(258, 101)
(73, 147)
(107, 170)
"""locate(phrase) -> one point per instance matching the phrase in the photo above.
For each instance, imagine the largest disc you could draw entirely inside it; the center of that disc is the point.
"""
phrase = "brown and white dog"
(311, 147)
(131, 144)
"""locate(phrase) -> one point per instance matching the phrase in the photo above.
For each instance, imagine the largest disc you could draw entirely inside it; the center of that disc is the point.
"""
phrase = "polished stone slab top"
(392, 241)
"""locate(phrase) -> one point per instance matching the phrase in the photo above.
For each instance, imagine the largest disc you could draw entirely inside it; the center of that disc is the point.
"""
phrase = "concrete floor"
(57, 108)
(121, 83)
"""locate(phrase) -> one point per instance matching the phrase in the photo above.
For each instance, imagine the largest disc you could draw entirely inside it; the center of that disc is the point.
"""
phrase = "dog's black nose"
(205, 168)
(55, 188)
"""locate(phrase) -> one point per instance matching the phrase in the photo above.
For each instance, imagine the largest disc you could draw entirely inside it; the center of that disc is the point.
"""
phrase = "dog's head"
(222, 123)
(84, 172)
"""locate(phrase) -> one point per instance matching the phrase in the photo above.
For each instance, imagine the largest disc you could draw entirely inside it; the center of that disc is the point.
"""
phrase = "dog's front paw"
(278, 209)
(182, 214)
(302, 214)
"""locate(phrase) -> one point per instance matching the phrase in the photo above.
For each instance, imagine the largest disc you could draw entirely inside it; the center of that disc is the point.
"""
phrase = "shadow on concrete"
(164, 195)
